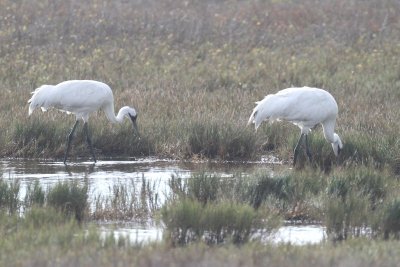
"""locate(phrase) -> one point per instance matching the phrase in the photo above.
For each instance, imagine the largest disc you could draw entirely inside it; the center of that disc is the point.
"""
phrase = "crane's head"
(337, 144)
(131, 114)
(133, 117)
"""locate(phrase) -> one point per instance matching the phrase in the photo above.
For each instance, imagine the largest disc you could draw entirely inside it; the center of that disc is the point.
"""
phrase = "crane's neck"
(111, 116)
(330, 135)
(329, 131)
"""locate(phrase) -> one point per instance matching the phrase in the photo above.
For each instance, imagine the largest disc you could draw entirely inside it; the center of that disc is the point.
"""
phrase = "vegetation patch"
(193, 72)
(189, 221)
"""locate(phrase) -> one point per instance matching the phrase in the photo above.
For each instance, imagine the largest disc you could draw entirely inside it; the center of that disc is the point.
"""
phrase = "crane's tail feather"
(253, 119)
(39, 97)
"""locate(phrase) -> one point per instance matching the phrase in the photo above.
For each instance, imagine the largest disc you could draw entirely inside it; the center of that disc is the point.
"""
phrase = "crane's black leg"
(89, 141)
(296, 149)
(69, 139)
(308, 150)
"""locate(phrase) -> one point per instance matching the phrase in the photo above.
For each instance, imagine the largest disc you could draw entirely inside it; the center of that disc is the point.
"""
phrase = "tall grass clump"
(35, 195)
(30, 138)
(209, 208)
(353, 202)
(189, 220)
(135, 201)
(69, 198)
(294, 195)
(322, 154)
(9, 192)
(39, 237)
(390, 223)
(220, 140)
(204, 188)
(124, 141)
(377, 151)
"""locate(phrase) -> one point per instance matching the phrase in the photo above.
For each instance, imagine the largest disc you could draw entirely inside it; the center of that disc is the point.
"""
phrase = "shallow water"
(300, 234)
(102, 176)
(141, 234)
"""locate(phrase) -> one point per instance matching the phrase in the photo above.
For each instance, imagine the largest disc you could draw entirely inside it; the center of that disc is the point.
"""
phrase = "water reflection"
(142, 234)
(102, 176)
(132, 232)
(300, 234)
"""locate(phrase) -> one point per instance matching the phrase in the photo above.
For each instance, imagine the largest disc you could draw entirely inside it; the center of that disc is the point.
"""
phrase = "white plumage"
(80, 97)
(304, 107)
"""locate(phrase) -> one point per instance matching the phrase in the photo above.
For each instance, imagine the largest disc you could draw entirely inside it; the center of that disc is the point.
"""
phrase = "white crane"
(80, 97)
(304, 107)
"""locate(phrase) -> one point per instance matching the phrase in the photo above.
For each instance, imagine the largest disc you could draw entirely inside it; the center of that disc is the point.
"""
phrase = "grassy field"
(193, 70)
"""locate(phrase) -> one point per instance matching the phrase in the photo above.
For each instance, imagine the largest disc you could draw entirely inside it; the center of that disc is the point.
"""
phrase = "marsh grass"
(370, 150)
(9, 191)
(69, 198)
(358, 205)
(391, 219)
(354, 201)
(51, 239)
(209, 208)
(351, 202)
(135, 201)
(24, 237)
(35, 195)
(220, 140)
(193, 72)
(188, 221)
(293, 195)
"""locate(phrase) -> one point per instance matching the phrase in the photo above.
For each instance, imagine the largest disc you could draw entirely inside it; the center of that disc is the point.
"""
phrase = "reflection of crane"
(80, 97)
(304, 107)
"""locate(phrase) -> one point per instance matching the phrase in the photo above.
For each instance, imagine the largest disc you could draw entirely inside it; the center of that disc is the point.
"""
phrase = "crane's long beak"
(135, 127)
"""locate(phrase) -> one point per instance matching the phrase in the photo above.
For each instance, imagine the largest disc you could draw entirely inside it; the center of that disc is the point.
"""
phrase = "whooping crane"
(304, 107)
(80, 97)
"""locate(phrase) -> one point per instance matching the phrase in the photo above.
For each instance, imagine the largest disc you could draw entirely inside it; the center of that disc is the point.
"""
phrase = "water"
(300, 234)
(102, 176)
(293, 234)
(99, 177)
